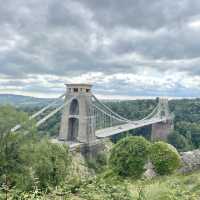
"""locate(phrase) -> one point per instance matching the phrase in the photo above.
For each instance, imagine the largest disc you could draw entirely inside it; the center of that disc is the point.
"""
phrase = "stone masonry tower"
(161, 130)
(77, 119)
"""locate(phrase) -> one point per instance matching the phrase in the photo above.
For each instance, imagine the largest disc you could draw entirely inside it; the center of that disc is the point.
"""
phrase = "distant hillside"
(23, 101)
(28, 101)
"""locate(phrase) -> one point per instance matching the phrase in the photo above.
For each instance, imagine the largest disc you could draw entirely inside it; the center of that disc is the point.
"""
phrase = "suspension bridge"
(85, 119)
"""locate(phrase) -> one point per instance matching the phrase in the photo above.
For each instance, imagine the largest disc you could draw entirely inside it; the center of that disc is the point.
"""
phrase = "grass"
(174, 187)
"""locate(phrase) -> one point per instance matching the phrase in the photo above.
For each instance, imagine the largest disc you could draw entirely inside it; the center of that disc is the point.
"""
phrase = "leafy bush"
(164, 157)
(47, 162)
(129, 156)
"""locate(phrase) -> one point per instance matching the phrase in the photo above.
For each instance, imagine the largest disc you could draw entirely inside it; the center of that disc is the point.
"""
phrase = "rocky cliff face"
(190, 161)
(79, 166)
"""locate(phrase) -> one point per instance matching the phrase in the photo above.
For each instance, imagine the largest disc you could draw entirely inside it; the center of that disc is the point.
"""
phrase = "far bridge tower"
(161, 130)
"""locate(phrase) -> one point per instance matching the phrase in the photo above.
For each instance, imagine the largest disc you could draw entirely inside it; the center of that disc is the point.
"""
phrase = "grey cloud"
(122, 88)
(174, 43)
(69, 38)
(143, 14)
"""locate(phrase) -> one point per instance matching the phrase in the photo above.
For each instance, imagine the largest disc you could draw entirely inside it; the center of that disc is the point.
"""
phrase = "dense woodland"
(186, 135)
(31, 167)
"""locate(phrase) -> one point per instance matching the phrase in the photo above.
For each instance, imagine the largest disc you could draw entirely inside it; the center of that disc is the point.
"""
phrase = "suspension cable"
(110, 110)
(149, 115)
(112, 116)
(18, 126)
(46, 107)
(125, 119)
(49, 115)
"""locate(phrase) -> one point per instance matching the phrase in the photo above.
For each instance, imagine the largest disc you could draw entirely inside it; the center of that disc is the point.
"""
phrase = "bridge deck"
(106, 132)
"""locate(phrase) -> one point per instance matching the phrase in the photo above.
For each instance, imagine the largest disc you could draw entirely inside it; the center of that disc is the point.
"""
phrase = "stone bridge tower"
(77, 118)
(161, 130)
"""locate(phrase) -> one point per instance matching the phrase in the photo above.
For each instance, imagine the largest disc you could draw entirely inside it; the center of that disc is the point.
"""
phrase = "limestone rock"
(149, 173)
(190, 161)
(79, 167)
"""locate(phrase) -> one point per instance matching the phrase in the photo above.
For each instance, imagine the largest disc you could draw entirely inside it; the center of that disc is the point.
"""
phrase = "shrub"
(129, 156)
(164, 157)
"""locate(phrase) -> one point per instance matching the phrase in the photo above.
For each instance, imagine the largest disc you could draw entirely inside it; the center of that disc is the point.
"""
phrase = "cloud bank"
(125, 48)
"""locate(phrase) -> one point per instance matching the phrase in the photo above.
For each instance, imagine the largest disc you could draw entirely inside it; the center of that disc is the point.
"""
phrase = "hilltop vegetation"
(23, 101)
(31, 167)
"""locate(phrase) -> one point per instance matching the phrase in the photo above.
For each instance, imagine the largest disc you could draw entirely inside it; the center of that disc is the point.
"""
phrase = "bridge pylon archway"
(77, 118)
(73, 128)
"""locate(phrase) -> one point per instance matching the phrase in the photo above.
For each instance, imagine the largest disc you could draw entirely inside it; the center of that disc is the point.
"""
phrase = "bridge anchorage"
(86, 120)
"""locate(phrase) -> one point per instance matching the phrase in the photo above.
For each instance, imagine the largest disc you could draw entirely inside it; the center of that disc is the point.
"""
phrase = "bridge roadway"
(107, 132)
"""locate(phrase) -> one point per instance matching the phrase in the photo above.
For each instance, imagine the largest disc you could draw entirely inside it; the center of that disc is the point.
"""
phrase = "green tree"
(191, 131)
(129, 156)
(179, 141)
(164, 157)
(47, 162)
(26, 159)
(10, 161)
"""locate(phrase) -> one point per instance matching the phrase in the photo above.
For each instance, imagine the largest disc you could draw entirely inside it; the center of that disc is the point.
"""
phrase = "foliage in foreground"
(37, 162)
(164, 157)
(174, 187)
(25, 158)
(129, 156)
(46, 162)
(89, 189)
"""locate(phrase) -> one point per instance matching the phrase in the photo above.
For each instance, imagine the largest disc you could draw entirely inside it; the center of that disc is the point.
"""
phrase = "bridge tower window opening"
(87, 90)
(75, 89)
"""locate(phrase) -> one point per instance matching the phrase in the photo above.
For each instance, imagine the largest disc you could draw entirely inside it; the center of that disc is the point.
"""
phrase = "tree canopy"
(129, 156)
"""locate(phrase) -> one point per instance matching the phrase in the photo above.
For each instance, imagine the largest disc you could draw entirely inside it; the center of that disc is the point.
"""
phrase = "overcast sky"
(125, 48)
